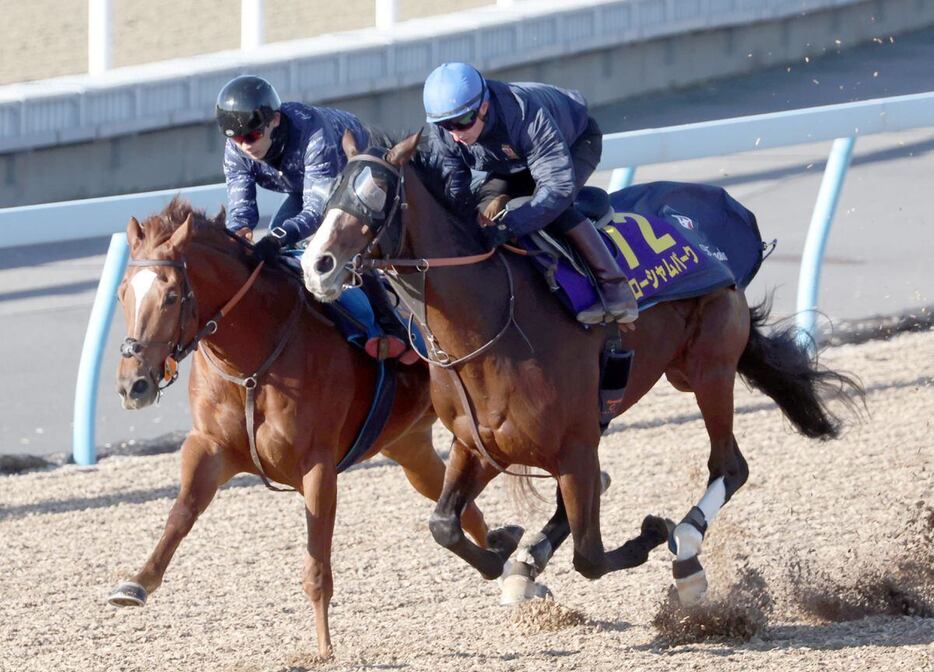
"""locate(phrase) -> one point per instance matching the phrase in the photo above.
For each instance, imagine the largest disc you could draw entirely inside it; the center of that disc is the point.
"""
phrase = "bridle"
(133, 348)
(364, 261)
(384, 222)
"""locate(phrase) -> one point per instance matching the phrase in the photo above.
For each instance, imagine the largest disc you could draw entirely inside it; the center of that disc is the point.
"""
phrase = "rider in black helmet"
(246, 104)
(295, 149)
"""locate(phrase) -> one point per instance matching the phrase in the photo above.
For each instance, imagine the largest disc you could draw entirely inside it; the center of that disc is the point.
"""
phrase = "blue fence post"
(621, 178)
(818, 232)
(83, 448)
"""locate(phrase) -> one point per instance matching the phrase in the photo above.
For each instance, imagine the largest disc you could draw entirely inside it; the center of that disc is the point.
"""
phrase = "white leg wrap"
(713, 500)
(688, 540)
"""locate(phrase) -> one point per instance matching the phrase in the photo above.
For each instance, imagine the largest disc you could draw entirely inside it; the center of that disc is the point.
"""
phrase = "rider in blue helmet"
(295, 149)
(529, 139)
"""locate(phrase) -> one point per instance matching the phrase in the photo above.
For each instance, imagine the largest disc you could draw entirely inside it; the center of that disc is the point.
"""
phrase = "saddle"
(592, 202)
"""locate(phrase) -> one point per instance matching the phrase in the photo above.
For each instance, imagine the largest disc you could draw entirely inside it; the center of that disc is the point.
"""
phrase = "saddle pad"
(674, 241)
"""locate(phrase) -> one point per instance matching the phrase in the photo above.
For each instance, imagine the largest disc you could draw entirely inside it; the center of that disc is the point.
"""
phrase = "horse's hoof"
(128, 594)
(504, 540)
(690, 580)
(520, 588)
(655, 530)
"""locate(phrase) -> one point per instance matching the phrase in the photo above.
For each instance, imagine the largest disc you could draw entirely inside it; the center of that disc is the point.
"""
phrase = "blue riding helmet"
(451, 90)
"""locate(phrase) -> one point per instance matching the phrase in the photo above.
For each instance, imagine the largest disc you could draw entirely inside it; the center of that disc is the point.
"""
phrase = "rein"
(250, 383)
(364, 261)
(134, 348)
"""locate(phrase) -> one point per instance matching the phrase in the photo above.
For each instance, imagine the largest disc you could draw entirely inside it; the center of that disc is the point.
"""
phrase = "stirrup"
(627, 317)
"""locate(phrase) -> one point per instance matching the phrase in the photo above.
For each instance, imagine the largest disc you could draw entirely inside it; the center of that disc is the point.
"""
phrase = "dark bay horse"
(515, 378)
(312, 392)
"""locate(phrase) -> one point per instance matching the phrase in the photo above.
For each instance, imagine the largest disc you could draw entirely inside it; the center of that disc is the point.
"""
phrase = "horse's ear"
(134, 235)
(220, 219)
(182, 234)
(402, 152)
(349, 144)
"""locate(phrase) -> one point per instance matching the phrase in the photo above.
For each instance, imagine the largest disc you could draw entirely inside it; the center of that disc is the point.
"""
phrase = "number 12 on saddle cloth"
(673, 240)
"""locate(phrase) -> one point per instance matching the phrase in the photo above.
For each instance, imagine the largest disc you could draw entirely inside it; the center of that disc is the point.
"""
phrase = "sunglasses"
(250, 137)
(461, 123)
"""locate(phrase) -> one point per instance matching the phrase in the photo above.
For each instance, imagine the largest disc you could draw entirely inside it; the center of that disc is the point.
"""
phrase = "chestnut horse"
(515, 377)
(312, 389)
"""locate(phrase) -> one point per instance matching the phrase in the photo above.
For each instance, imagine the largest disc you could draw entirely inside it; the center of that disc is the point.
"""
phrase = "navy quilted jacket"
(529, 126)
(311, 159)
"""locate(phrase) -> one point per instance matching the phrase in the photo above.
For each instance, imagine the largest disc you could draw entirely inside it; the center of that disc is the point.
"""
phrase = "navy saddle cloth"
(674, 240)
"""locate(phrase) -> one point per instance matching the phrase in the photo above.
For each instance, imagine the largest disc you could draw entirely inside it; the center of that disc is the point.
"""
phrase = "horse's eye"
(171, 298)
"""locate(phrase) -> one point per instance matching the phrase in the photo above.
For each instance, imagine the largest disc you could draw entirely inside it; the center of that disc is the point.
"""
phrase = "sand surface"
(823, 561)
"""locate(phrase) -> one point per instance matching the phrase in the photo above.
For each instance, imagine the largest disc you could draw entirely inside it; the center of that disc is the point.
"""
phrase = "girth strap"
(383, 399)
(250, 383)
(475, 430)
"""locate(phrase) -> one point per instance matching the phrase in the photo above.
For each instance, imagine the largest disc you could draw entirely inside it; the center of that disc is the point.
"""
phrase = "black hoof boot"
(503, 542)
(655, 530)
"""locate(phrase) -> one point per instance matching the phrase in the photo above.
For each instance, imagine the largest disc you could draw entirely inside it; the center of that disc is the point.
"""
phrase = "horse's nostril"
(324, 264)
(140, 387)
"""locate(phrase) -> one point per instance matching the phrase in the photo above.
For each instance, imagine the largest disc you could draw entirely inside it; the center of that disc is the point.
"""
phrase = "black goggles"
(461, 123)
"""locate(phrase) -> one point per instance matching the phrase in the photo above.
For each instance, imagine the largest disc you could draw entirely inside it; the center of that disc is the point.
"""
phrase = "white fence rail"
(622, 152)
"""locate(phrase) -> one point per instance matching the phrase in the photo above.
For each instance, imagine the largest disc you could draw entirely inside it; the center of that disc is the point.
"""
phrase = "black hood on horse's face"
(367, 190)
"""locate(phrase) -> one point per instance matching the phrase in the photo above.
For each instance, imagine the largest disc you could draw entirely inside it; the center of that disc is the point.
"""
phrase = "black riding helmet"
(245, 104)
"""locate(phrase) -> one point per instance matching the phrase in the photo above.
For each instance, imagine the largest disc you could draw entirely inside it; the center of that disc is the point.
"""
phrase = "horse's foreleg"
(424, 469)
(319, 486)
(728, 472)
(580, 487)
(530, 561)
(465, 478)
(205, 467)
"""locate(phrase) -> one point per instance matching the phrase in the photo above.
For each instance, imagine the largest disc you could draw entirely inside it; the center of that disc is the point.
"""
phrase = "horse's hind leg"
(205, 468)
(710, 370)
(425, 471)
(464, 479)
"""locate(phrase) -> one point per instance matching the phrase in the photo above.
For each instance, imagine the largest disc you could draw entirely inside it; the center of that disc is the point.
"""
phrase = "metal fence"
(622, 152)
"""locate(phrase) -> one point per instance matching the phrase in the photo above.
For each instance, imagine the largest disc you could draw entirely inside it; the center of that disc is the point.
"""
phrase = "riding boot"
(394, 343)
(614, 286)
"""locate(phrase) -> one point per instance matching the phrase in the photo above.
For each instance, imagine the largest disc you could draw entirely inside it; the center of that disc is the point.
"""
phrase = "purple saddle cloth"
(673, 240)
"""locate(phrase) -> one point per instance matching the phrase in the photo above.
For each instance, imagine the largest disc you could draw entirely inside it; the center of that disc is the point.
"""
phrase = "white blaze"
(322, 236)
(141, 284)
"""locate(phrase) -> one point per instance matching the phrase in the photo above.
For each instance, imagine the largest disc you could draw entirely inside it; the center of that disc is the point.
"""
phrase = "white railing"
(252, 27)
(622, 152)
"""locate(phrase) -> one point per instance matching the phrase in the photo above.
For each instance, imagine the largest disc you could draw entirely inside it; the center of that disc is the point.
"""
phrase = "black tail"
(788, 373)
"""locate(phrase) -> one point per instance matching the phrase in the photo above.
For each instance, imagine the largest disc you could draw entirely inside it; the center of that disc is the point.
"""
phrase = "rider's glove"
(267, 249)
(496, 234)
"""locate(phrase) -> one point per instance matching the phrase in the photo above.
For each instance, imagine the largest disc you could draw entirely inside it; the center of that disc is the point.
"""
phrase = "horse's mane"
(160, 226)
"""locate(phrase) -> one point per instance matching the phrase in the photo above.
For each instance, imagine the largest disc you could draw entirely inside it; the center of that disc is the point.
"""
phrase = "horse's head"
(360, 215)
(158, 302)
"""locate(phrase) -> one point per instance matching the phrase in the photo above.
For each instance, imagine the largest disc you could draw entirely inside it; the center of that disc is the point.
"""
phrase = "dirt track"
(823, 532)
